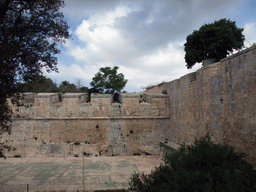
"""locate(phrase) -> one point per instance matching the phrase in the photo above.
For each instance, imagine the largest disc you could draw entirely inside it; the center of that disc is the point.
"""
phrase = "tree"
(29, 34)
(65, 86)
(39, 84)
(108, 81)
(204, 166)
(213, 40)
(84, 89)
(79, 83)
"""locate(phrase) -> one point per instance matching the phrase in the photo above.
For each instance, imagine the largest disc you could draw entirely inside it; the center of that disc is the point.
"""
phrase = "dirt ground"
(58, 173)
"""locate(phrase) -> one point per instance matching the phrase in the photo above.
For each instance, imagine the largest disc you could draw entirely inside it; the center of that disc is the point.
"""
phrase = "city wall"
(219, 98)
(53, 124)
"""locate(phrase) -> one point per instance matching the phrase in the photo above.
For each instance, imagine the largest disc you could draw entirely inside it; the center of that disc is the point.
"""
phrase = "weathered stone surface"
(219, 98)
(71, 125)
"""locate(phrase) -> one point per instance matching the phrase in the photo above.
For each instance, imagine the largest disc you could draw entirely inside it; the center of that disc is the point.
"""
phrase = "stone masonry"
(219, 98)
(53, 124)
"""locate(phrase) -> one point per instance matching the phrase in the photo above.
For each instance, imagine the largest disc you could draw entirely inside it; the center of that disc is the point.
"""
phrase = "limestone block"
(149, 150)
(130, 103)
(100, 105)
(44, 101)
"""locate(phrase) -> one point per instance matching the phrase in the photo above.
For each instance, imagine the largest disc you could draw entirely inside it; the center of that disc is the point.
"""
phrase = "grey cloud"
(172, 20)
(84, 8)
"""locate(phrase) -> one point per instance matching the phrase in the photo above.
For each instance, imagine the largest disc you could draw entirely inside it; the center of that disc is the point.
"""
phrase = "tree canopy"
(108, 81)
(65, 86)
(39, 84)
(29, 34)
(213, 40)
(83, 89)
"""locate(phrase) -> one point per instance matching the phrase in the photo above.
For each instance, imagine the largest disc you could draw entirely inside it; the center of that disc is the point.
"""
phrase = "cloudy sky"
(144, 38)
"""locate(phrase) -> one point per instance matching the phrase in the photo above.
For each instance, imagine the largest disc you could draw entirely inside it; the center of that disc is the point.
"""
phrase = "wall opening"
(116, 98)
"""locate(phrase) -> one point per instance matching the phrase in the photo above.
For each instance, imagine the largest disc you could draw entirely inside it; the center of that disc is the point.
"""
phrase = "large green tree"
(30, 31)
(108, 81)
(213, 40)
(65, 86)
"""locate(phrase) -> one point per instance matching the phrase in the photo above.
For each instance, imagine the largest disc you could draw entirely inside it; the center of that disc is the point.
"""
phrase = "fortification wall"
(219, 98)
(53, 124)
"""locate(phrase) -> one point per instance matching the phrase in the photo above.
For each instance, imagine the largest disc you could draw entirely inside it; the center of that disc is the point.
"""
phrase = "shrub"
(204, 166)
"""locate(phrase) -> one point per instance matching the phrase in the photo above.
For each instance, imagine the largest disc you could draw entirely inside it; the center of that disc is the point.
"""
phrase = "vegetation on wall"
(204, 166)
(213, 40)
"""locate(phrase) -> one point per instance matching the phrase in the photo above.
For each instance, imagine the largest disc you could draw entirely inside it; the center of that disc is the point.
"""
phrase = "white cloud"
(144, 38)
(250, 34)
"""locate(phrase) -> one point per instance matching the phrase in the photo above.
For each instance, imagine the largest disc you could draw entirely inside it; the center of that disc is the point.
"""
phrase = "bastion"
(72, 124)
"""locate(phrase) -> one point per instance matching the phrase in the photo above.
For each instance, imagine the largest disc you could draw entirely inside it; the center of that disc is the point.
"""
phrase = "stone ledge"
(238, 53)
(74, 95)
(47, 95)
(94, 118)
(99, 95)
(130, 95)
(155, 95)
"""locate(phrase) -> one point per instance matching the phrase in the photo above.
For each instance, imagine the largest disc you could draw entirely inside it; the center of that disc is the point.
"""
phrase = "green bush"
(204, 166)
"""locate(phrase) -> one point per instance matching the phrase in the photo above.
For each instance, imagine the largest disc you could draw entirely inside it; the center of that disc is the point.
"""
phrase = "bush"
(204, 166)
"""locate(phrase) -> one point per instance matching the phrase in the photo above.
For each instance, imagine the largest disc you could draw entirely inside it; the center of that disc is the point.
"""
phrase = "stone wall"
(219, 98)
(53, 124)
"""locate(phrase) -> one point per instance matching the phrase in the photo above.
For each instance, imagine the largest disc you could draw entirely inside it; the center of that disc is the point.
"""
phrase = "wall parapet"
(46, 105)
(242, 52)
